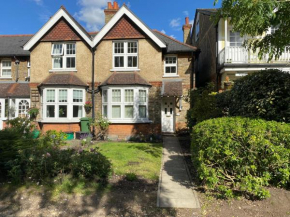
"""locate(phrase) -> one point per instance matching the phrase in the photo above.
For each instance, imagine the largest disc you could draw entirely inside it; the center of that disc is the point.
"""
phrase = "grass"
(141, 159)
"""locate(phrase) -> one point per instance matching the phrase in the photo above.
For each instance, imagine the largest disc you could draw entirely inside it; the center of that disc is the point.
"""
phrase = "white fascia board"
(123, 10)
(55, 18)
(251, 69)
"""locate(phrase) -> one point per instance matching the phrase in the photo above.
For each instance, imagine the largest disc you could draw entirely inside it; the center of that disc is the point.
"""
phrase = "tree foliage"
(254, 17)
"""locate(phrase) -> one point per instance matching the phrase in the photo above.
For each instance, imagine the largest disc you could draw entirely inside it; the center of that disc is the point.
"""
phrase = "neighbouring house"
(138, 77)
(223, 57)
(14, 77)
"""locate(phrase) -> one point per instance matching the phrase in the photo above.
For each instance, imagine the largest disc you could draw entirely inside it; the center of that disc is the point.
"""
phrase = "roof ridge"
(16, 35)
(155, 30)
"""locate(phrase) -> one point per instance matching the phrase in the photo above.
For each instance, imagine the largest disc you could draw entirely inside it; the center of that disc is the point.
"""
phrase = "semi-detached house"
(139, 77)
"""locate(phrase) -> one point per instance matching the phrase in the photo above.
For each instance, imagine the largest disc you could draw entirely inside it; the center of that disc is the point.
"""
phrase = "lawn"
(141, 159)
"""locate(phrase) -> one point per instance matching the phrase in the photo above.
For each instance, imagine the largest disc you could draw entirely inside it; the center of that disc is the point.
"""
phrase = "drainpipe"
(17, 67)
(217, 58)
(93, 87)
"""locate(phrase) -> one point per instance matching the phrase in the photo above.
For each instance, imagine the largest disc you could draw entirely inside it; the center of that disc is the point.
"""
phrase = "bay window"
(170, 65)
(125, 104)
(6, 68)
(63, 104)
(63, 56)
(125, 55)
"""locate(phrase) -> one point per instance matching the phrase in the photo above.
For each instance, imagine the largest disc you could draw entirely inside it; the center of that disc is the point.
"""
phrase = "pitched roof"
(125, 78)
(171, 88)
(62, 79)
(12, 45)
(14, 90)
(173, 45)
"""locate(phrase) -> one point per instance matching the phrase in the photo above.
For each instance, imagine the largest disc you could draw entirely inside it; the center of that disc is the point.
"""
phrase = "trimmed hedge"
(241, 155)
(264, 94)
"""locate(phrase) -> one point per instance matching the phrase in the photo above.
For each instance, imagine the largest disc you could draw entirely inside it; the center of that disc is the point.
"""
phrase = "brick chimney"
(111, 11)
(186, 31)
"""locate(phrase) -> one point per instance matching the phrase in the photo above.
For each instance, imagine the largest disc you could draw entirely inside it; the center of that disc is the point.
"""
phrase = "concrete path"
(175, 188)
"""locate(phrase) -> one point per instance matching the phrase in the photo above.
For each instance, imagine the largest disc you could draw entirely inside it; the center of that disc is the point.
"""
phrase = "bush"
(203, 105)
(241, 155)
(45, 163)
(264, 94)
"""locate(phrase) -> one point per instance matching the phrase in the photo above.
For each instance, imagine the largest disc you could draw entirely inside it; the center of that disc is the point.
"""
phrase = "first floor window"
(125, 54)
(125, 104)
(6, 68)
(235, 39)
(170, 65)
(64, 103)
(63, 55)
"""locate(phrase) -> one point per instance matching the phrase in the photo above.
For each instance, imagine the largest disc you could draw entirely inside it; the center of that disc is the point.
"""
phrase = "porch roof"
(62, 79)
(171, 88)
(14, 90)
(127, 78)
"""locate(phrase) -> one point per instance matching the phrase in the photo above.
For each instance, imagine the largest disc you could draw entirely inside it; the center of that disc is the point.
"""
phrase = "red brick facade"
(61, 32)
(124, 28)
(64, 127)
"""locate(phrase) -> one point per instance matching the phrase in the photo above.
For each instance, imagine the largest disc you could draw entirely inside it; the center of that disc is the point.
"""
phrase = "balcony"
(240, 55)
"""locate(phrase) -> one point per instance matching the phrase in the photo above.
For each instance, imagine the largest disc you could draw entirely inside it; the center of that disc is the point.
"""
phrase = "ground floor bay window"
(125, 104)
(63, 104)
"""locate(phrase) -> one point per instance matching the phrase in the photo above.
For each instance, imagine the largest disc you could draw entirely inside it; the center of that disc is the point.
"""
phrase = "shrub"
(241, 155)
(102, 124)
(264, 94)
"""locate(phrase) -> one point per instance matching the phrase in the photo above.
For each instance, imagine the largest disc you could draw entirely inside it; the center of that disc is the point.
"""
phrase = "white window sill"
(5, 77)
(59, 120)
(63, 70)
(124, 70)
(123, 121)
(170, 76)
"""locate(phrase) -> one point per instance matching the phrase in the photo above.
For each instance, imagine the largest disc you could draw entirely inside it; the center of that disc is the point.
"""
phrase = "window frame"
(170, 65)
(125, 55)
(5, 68)
(235, 36)
(69, 103)
(64, 56)
(136, 103)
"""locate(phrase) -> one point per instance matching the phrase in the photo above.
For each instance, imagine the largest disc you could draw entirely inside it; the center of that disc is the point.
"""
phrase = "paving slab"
(175, 187)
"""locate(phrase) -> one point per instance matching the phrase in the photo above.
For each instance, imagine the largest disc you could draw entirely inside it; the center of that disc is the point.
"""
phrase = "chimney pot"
(116, 6)
(110, 6)
(186, 20)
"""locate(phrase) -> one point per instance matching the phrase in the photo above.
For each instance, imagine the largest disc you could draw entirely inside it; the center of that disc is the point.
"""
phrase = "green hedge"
(241, 155)
(264, 94)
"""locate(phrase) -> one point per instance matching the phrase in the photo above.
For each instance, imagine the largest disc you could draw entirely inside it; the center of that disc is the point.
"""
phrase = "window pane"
(116, 111)
(22, 108)
(142, 111)
(105, 96)
(129, 95)
(119, 47)
(132, 47)
(6, 63)
(142, 95)
(77, 111)
(116, 95)
(57, 49)
(119, 61)
(50, 96)
(70, 62)
(71, 49)
(62, 96)
(6, 72)
(50, 111)
(77, 96)
(129, 111)
(105, 111)
(57, 62)
(62, 111)
(132, 61)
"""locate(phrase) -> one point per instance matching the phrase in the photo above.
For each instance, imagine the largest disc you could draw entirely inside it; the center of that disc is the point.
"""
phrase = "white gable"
(125, 11)
(53, 20)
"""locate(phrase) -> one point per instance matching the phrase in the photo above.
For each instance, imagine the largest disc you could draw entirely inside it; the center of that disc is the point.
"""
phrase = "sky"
(167, 16)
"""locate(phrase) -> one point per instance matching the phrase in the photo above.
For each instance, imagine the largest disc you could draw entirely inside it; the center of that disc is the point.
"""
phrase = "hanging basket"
(88, 109)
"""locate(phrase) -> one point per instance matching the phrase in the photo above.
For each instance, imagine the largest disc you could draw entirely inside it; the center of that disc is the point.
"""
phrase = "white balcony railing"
(241, 55)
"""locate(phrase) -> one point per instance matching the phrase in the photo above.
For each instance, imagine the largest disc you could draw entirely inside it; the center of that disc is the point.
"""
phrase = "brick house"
(136, 77)
(223, 58)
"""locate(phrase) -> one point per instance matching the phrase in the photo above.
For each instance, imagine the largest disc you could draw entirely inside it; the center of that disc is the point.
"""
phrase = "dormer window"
(125, 55)
(63, 56)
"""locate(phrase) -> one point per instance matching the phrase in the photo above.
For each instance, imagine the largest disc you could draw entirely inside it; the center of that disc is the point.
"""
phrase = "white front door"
(167, 114)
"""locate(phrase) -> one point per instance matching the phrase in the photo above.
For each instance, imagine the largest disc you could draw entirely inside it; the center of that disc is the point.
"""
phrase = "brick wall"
(65, 127)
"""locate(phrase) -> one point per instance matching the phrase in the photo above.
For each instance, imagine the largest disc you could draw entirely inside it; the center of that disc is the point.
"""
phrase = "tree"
(254, 18)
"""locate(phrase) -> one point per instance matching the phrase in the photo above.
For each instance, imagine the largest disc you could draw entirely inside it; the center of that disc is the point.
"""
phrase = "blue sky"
(28, 16)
